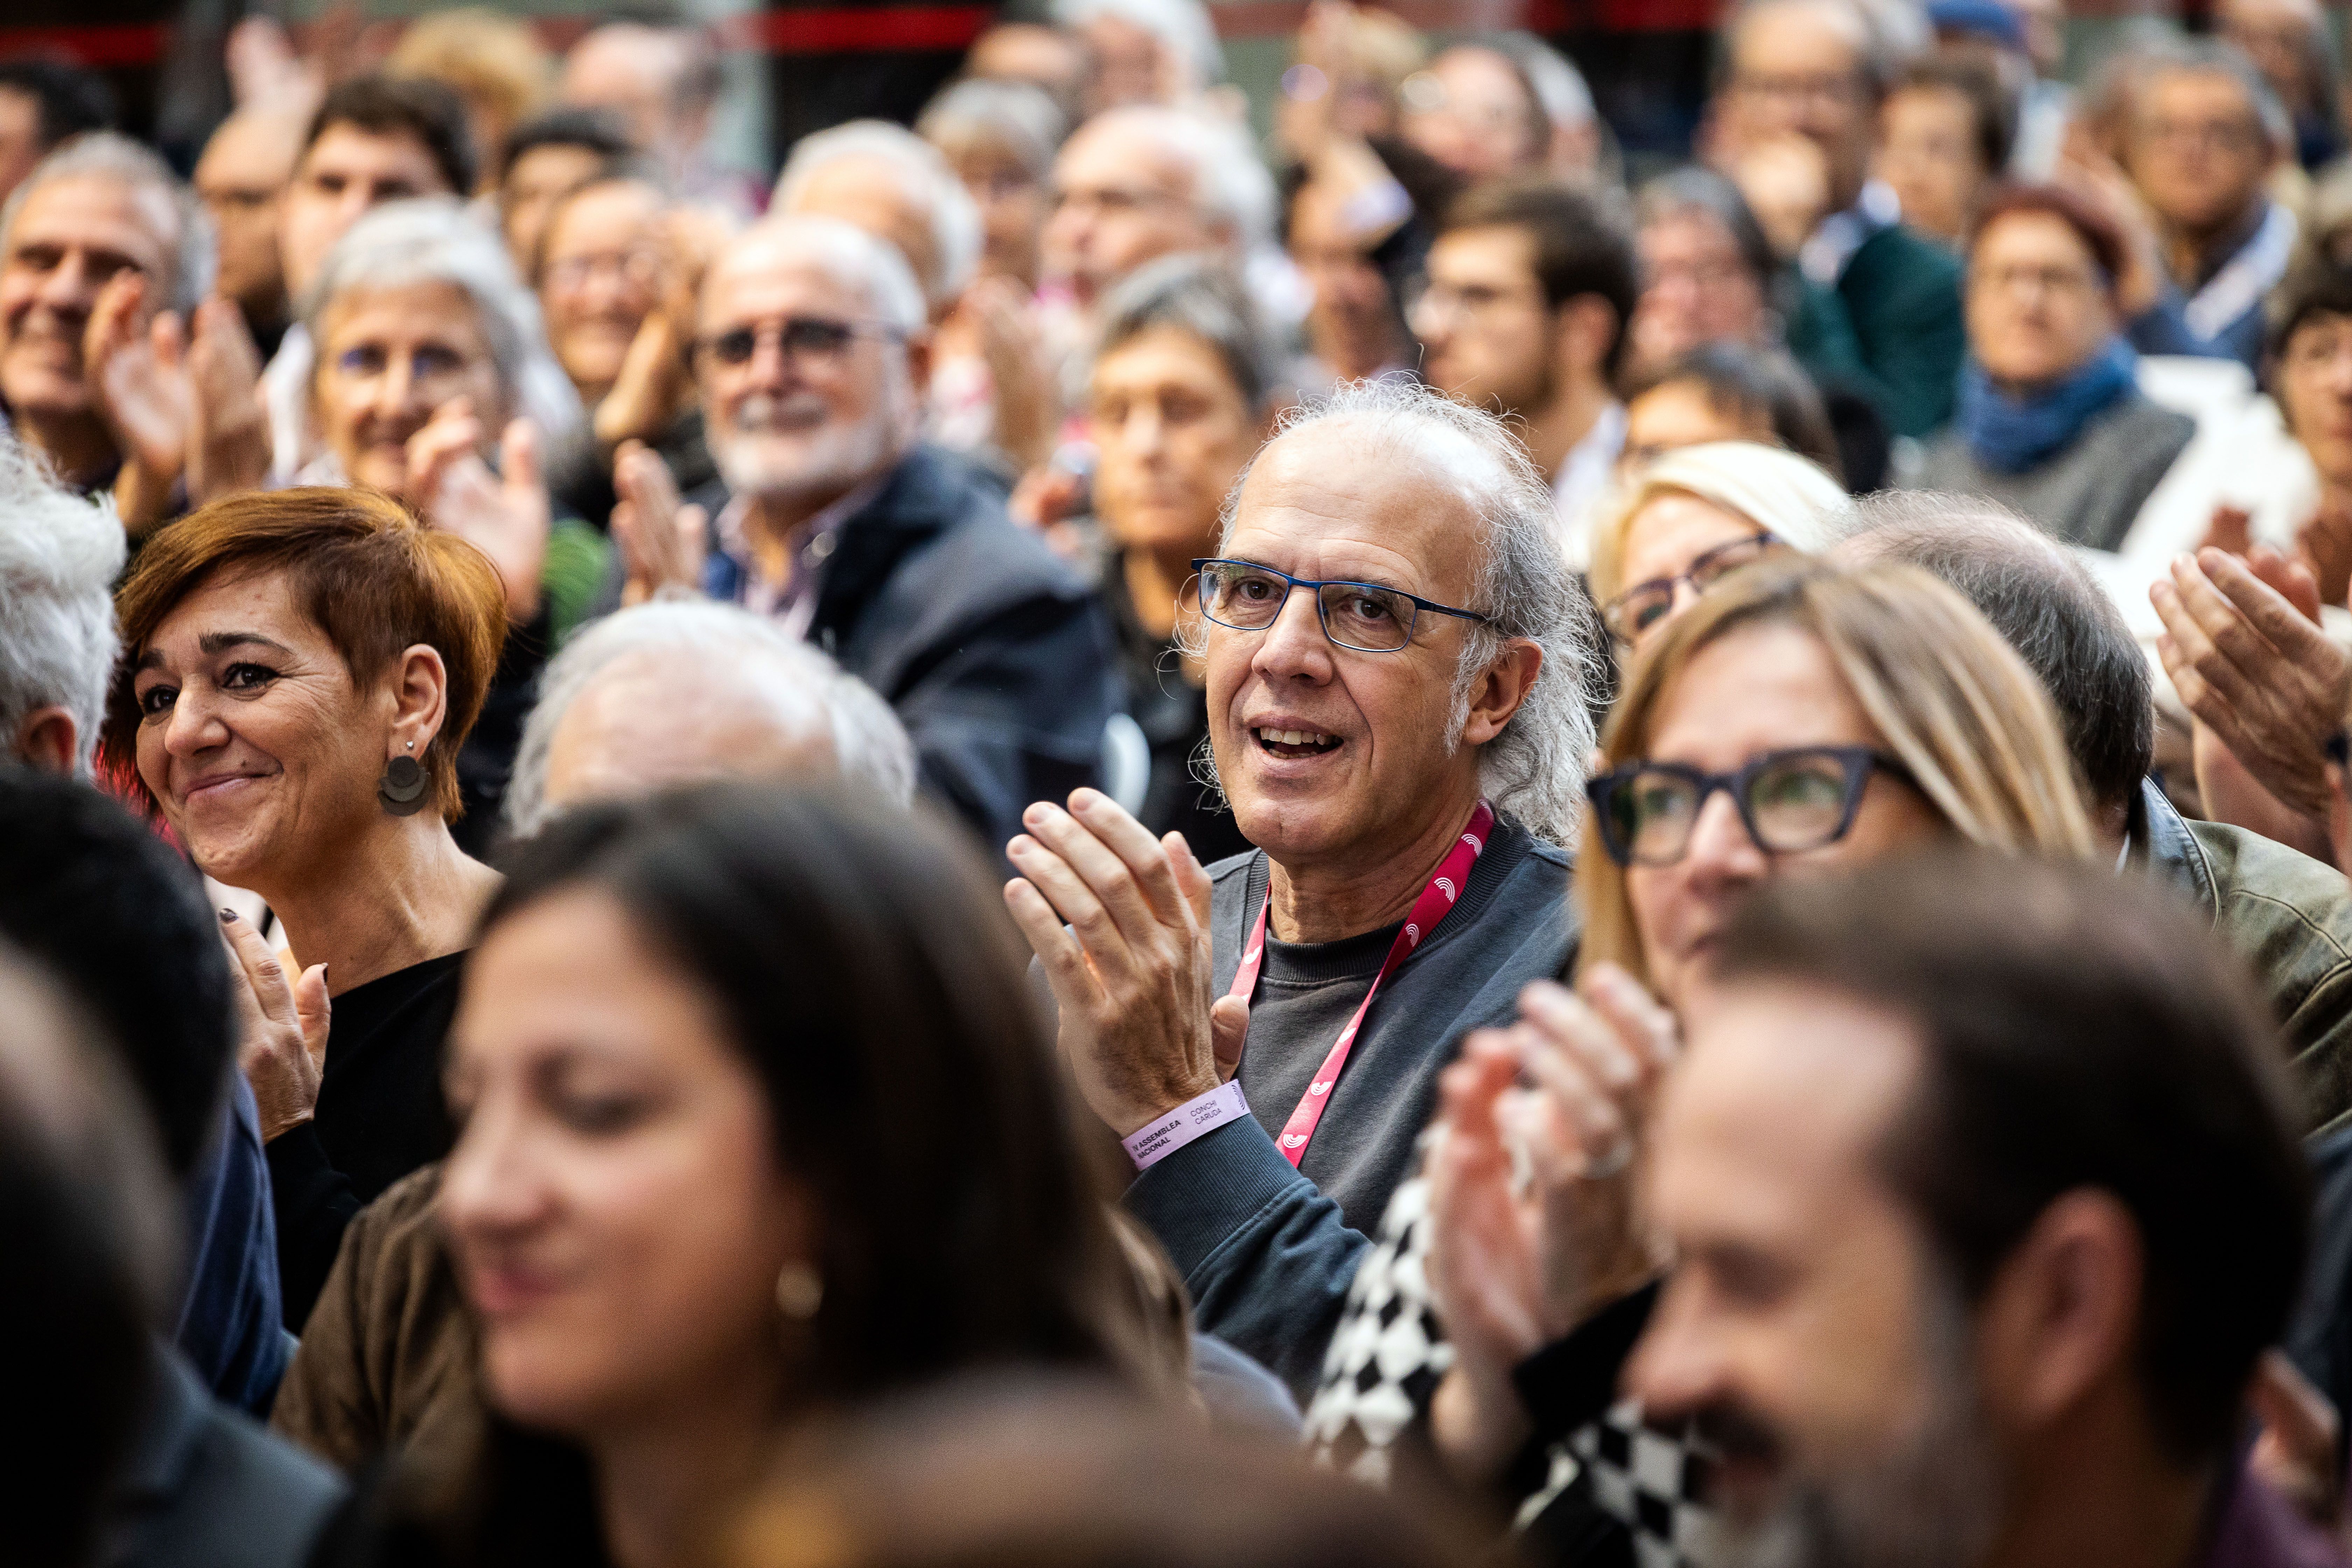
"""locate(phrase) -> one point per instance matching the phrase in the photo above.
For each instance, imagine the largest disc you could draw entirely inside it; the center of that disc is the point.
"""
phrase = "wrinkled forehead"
(100, 211)
(759, 278)
(1387, 486)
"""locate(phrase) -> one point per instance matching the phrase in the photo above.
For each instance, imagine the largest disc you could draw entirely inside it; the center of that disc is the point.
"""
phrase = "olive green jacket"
(2290, 918)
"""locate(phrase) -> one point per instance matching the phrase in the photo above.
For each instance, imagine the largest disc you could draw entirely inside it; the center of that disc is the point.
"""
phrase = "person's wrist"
(1153, 1138)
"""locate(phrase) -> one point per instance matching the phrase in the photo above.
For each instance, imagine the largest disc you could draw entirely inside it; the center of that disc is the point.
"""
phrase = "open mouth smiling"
(1295, 742)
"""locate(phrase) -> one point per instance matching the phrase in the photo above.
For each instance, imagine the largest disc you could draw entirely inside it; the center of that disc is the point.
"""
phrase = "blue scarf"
(2009, 436)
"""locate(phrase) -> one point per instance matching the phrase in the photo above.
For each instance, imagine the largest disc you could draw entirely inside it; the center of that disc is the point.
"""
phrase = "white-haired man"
(897, 186)
(1143, 51)
(59, 558)
(811, 354)
(1138, 184)
(103, 229)
(1395, 659)
(683, 691)
(664, 83)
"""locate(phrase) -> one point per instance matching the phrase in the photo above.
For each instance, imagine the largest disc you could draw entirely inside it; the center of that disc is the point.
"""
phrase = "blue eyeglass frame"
(1858, 763)
(1322, 616)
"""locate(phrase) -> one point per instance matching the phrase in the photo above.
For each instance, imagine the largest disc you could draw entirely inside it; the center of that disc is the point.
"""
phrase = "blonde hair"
(494, 63)
(1949, 698)
(1793, 498)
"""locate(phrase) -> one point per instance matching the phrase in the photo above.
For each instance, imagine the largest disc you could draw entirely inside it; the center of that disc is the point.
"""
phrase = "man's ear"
(1587, 331)
(49, 740)
(1501, 688)
(2063, 1313)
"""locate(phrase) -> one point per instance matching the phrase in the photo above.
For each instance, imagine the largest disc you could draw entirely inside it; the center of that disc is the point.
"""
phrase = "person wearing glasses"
(810, 355)
(1696, 513)
(1394, 664)
(2051, 421)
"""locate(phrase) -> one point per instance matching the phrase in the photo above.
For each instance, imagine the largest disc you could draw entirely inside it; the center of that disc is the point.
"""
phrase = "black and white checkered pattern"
(1389, 1355)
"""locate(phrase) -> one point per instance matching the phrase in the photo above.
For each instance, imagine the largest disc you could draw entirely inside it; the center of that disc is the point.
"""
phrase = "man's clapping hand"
(1120, 921)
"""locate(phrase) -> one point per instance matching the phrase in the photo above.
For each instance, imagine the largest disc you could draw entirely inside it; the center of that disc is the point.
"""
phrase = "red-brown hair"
(374, 579)
(2092, 227)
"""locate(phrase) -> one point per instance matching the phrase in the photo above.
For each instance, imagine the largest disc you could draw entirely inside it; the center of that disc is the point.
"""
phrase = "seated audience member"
(730, 1260)
(2041, 1116)
(1069, 1475)
(1183, 393)
(1531, 284)
(63, 866)
(43, 105)
(2290, 42)
(2051, 421)
(495, 65)
(1696, 513)
(1376, 689)
(2288, 916)
(1795, 121)
(135, 1465)
(1139, 183)
(886, 553)
(1031, 54)
(242, 178)
(298, 672)
(1943, 140)
(1708, 276)
(100, 207)
(2204, 134)
(650, 698)
(991, 385)
(1361, 254)
(616, 271)
(434, 386)
(2308, 373)
(373, 140)
(1475, 111)
(1147, 52)
(1726, 392)
(547, 156)
(663, 84)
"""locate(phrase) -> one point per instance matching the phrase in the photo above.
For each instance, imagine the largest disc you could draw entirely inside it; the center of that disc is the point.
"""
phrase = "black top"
(1174, 715)
(380, 1116)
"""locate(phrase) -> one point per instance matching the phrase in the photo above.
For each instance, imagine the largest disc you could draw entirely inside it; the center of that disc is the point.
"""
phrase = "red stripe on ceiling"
(845, 31)
(128, 43)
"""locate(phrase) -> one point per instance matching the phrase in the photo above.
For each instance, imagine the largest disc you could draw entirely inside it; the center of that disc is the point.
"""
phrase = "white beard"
(756, 459)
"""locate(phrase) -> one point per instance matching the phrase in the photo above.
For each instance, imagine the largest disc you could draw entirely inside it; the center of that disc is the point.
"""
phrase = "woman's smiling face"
(252, 735)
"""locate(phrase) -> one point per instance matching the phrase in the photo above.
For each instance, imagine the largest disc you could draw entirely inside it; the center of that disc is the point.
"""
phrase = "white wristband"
(1147, 1146)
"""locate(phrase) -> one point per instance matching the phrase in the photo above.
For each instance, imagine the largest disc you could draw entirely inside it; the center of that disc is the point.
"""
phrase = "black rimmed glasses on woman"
(1791, 801)
(1644, 604)
(1365, 616)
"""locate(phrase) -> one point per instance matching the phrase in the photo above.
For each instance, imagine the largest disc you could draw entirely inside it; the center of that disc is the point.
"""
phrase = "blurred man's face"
(1043, 57)
(1120, 199)
(631, 72)
(1485, 330)
(1353, 321)
(1131, 65)
(1470, 111)
(20, 137)
(1696, 288)
(1805, 1325)
(1797, 69)
(2279, 36)
(2038, 308)
(533, 182)
(346, 172)
(1929, 154)
(69, 237)
(2198, 150)
(242, 178)
(2313, 382)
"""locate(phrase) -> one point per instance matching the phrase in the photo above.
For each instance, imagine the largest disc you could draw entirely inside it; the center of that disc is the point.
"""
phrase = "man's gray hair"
(851, 257)
(1560, 90)
(1183, 27)
(187, 245)
(1535, 768)
(432, 240)
(2210, 57)
(924, 177)
(1892, 34)
(869, 742)
(1199, 297)
(1228, 180)
(1022, 118)
(59, 558)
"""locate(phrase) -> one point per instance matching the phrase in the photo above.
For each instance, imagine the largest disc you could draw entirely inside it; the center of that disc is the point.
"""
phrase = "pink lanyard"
(1436, 900)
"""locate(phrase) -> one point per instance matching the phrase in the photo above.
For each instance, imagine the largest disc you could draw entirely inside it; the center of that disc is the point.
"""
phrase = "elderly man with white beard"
(811, 352)
(1394, 656)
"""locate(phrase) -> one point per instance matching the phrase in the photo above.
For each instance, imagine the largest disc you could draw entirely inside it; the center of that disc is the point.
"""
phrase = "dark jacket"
(1890, 329)
(232, 1313)
(206, 1487)
(2289, 917)
(992, 651)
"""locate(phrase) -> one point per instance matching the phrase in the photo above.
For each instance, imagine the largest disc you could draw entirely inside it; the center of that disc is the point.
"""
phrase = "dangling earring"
(800, 1289)
(402, 789)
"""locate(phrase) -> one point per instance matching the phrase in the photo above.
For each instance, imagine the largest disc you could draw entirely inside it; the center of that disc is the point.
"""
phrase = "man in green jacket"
(1875, 308)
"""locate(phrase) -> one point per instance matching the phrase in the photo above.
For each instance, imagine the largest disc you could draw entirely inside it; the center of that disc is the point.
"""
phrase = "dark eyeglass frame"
(1322, 610)
(1858, 763)
(1612, 614)
(782, 328)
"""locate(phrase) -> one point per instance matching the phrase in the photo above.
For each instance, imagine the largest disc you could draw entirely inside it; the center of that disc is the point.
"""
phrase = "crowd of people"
(688, 864)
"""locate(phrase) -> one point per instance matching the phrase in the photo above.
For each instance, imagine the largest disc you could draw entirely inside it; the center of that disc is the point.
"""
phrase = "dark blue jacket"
(993, 652)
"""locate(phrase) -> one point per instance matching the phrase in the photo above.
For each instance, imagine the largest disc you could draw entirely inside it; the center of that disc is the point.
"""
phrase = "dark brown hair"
(374, 579)
(415, 106)
(2098, 235)
(2076, 1031)
(1583, 241)
(1971, 75)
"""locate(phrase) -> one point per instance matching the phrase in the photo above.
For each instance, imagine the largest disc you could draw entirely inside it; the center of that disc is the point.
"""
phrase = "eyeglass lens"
(1791, 804)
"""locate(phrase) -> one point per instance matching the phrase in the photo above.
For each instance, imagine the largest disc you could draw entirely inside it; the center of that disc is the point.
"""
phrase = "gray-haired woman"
(433, 384)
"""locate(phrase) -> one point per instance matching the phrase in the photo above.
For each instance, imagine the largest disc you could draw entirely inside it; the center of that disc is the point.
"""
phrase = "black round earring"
(403, 788)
